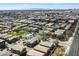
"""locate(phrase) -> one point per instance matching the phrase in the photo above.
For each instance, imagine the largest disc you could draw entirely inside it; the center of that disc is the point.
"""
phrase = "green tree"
(56, 43)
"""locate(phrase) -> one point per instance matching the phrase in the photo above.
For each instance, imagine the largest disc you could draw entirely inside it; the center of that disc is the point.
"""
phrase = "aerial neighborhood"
(36, 32)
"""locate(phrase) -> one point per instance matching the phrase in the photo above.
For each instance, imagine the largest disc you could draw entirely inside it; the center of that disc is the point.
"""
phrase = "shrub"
(61, 37)
(56, 43)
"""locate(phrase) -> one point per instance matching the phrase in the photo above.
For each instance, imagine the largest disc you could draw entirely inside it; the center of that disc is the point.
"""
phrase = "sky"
(17, 6)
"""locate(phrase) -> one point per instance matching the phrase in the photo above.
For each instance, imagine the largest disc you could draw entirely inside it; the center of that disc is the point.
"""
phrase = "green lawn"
(18, 33)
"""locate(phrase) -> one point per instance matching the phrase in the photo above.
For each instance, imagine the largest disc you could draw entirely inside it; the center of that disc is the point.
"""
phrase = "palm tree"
(56, 43)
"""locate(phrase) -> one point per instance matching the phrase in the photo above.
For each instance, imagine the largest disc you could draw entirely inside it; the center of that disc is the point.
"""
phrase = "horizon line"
(42, 9)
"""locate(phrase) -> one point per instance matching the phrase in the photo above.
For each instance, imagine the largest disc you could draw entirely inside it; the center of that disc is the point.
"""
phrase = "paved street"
(74, 50)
